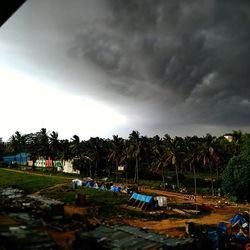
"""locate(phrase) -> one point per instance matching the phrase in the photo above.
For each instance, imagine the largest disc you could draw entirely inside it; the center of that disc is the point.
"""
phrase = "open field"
(29, 182)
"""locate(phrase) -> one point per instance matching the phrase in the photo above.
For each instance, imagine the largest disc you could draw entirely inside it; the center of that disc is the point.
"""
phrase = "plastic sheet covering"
(21, 158)
(213, 235)
(115, 188)
(237, 219)
(143, 198)
(76, 183)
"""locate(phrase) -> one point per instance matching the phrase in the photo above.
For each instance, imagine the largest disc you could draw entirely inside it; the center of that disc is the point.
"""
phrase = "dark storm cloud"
(189, 57)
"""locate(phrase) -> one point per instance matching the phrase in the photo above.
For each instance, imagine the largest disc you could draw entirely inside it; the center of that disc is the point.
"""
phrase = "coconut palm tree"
(16, 143)
(42, 143)
(237, 141)
(2, 148)
(157, 150)
(174, 154)
(75, 146)
(207, 155)
(115, 151)
(78, 151)
(54, 145)
(192, 143)
(96, 152)
(65, 153)
(134, 152)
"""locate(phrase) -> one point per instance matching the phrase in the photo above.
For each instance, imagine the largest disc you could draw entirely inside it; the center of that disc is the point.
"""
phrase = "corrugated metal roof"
(128, 237)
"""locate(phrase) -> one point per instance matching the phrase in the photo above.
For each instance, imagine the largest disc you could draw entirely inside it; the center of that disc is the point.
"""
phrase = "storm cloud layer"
(191, 58)
(169, 66)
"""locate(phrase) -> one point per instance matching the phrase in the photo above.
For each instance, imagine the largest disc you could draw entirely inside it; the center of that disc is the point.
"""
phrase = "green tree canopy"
(236, 176)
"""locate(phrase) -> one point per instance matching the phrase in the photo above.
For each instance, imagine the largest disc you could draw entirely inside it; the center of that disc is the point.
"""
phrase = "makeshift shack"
(142, 201)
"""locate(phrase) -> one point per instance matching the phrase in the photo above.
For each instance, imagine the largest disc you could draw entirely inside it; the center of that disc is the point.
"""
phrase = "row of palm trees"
(143, 156)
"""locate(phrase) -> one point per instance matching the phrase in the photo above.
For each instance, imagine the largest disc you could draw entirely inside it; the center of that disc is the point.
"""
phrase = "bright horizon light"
(28, 104)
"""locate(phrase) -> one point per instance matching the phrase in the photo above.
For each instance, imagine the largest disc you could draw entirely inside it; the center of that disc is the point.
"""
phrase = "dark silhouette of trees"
(143, 156)
(116, 151)
(236, 177)
(134, 152)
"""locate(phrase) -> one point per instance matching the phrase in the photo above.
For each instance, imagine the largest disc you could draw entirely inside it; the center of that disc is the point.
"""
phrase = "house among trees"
(229, 137)
(68, 167)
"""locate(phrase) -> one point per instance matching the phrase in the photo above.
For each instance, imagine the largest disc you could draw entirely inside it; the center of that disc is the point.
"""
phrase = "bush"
(236, 178)
(3, 164)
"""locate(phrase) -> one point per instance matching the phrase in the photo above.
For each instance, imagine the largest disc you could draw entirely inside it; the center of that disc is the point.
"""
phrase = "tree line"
(142, 156)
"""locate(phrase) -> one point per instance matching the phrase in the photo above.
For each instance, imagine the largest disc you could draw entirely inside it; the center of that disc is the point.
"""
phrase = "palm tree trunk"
(116, 166)
(163, 178)
(217, 172)
(177, 176)
(136, 171)
(211, 176)
(90, 168)
(95, 168)
(195, 187)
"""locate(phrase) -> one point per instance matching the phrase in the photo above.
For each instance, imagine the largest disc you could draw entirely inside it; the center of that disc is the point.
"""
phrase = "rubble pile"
(14, 200)
(23, 220)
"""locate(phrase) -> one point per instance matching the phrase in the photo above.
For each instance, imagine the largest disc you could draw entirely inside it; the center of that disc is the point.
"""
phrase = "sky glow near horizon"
(105, 67)
(28, 105)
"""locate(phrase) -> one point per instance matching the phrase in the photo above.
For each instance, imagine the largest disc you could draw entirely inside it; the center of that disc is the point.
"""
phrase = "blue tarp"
(115, 189)
(213, 235)
(103, 187)
(222, 228)
(90, 184)
(9, 159)
(237, 218)
(143, 198)
(21, 158)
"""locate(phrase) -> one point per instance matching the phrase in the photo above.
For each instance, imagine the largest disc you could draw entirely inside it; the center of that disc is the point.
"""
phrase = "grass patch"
(27, 182)
(106, 202)
(94, 197)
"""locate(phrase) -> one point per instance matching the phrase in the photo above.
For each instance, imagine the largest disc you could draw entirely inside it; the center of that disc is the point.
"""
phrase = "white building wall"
(68, 167)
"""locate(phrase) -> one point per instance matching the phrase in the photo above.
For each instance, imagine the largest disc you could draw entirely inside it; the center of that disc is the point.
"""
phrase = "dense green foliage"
(236, 177)
(142, 157)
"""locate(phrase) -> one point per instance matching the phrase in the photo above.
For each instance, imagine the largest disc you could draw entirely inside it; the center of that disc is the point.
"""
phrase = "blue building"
(20, 159)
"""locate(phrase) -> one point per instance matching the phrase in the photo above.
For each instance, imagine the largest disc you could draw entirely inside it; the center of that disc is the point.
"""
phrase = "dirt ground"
(176, 227)
(222, 211)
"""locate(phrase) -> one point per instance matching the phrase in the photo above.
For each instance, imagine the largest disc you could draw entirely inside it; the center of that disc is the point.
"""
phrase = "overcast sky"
(104, 67)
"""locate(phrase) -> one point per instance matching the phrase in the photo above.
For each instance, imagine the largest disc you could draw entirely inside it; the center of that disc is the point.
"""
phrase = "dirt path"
(57, 186)
(182, 197)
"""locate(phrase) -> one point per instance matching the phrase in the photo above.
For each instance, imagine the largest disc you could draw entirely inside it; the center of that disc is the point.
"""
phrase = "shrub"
(236, 178)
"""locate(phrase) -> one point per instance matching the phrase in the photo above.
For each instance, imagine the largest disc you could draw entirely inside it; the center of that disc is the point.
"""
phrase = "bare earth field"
(222, 211)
